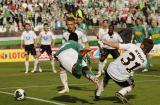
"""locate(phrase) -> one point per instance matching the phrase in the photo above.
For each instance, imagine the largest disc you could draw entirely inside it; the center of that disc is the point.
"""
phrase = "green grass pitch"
(42, 88)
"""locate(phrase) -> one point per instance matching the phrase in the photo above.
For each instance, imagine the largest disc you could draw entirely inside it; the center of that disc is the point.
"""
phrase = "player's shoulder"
(79, 32)
(50, 32)
(23, 32)
(101, 29)
(115, 33)
(32, 32)
(65, 32)
(41, 32)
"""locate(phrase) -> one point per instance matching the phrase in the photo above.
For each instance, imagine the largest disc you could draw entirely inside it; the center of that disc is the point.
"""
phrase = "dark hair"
(70, 19)
(45, 24)
(148, 45)
(27, 24)
(105, 20)
(73, 36)
(112, 26)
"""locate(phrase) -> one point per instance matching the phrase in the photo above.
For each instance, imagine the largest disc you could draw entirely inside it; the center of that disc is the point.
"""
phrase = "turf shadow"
(70, 99)
(116, 100)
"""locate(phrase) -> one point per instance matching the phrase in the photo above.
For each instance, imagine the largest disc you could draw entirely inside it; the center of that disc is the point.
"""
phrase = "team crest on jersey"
(45, 37)
(27, 38)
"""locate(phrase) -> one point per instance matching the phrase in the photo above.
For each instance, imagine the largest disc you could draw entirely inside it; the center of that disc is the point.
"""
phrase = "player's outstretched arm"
(112, 44)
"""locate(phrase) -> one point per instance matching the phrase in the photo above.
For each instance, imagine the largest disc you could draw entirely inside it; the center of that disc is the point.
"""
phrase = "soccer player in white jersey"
(106, 50)
(71, 56)
(71, 25)
(82, 39)
(46, 39)
(28, 39)
(134, 58)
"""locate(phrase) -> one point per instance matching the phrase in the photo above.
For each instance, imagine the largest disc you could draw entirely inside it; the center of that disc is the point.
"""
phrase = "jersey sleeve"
(34, 35)
(84, 37)
(125, 46)
(40, 35)
(22, 36)
(79, 46)
(65, 37)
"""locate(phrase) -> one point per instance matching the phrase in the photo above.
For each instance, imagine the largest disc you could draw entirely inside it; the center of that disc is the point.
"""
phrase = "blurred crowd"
(89, 13)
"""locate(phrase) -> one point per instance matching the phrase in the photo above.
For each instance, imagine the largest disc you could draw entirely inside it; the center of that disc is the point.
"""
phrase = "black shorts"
(46, 48)
(129, 82)
(30, 49)
(105, 52)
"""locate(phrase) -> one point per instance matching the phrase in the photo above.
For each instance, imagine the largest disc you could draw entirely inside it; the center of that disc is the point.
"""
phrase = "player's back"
(131, 60)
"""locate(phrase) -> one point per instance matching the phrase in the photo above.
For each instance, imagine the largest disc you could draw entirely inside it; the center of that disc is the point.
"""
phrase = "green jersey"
(78, 62)
(70, 44)
(139, 33)
(154, 33)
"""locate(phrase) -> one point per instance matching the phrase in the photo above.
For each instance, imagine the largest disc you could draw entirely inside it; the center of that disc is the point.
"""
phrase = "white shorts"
(68, 58)
(117, 73)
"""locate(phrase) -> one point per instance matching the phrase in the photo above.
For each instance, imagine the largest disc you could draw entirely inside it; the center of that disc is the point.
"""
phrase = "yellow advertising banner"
(13, 55)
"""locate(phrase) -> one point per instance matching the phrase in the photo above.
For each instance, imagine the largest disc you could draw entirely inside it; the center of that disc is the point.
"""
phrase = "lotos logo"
(12, 55)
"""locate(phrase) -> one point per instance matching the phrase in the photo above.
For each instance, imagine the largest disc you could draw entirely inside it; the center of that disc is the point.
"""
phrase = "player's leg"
(102, 84)
(26, 63)
(27, 51)
(127, 87)
(102, 61)
(64, 80)
(90, 75)
(49, 52)
(148, 65)
(115, 53)
(37, 62)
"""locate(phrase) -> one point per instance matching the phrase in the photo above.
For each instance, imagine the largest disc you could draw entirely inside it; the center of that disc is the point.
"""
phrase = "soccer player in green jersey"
(71, 56)
(154, 34)
(138, 31)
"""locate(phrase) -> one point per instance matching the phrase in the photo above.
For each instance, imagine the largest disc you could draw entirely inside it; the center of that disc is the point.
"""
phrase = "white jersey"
(131, 60)
(46, 37)
(114, 38)
(81, 37)
(28, 37)
(102, 32)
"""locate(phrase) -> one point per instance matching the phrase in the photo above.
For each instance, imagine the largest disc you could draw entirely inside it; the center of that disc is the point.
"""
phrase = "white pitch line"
(148, 75)
(36, 99)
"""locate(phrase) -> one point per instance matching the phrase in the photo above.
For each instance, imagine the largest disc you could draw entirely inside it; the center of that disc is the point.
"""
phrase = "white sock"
(101, 66)
(64, 80)
(27, 66)
(52, 63)
(36, 61)
(100, 88)
(125, 90)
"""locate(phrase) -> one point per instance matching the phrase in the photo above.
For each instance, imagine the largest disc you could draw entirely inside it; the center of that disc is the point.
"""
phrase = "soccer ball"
(19, 94)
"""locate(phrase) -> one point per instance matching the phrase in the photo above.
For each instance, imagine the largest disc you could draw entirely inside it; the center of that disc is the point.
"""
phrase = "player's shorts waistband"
(29, 45)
